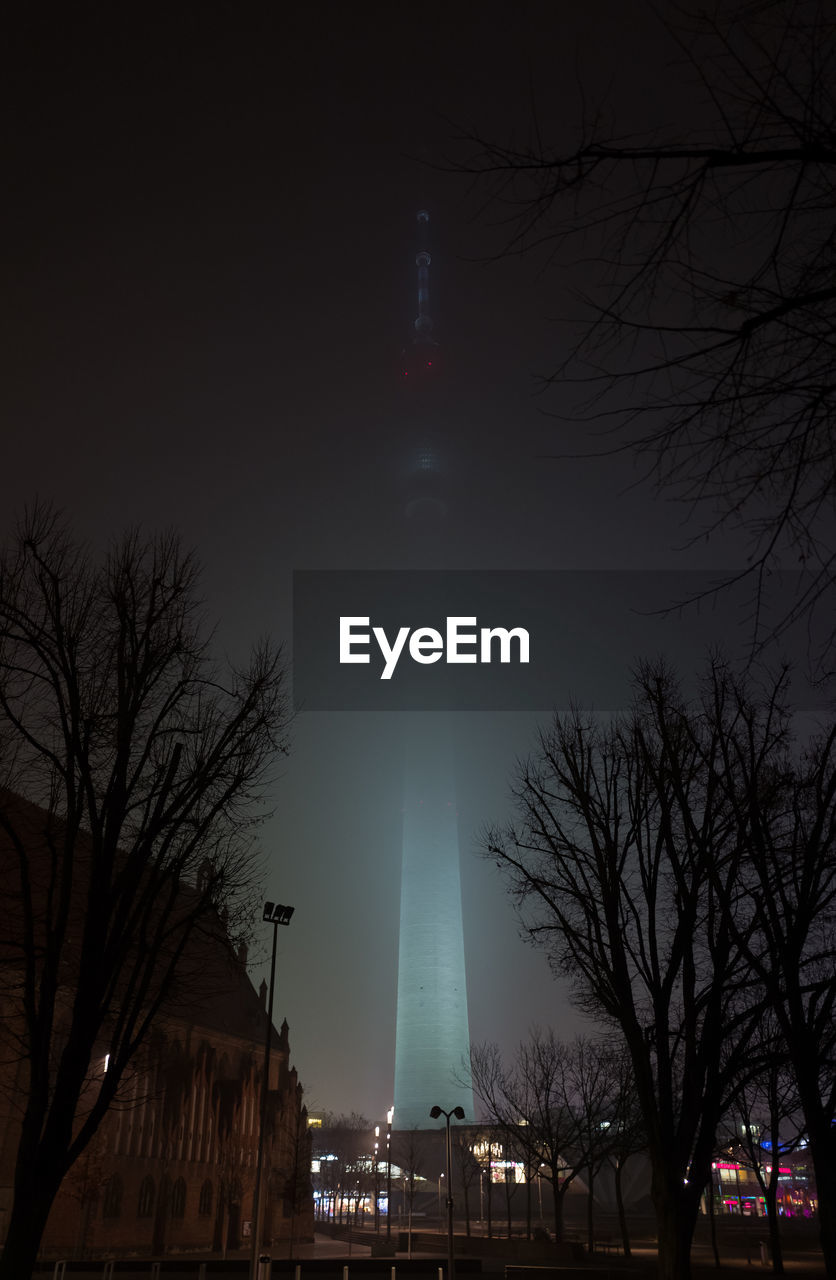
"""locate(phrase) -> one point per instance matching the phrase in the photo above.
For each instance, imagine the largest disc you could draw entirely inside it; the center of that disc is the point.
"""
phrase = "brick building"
(172, 1166)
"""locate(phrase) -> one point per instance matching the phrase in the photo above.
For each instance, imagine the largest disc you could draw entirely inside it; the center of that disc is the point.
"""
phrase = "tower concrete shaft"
(432, 1043)
(433, 1038)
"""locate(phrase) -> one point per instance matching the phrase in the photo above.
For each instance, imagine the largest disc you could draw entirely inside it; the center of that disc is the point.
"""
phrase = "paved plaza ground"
(326, 1257)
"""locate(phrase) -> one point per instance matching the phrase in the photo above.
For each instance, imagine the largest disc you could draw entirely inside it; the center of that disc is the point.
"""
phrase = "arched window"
(205, 1204)
(178, 1199)
(112, 1205)
(147, 1193)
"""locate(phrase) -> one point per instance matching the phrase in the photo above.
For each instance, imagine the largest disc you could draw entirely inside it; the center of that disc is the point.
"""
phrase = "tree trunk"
(674, 1249)
(557, 1196)
(622, 1216)
(825, 1171)
(31, 1207)
(37, 1181)
(409, 1227)
(40, 1166)
(590, 1213)
(771, 1200)
(23, 1241)
(676, 1218)
(712, 1222)
(822, 1146)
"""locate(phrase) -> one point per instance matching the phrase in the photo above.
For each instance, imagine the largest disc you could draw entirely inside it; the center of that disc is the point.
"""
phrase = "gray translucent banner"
(585, 631)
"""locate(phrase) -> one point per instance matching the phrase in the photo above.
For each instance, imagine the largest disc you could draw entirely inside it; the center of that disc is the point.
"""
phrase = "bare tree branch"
(708, 317)
(144, 769)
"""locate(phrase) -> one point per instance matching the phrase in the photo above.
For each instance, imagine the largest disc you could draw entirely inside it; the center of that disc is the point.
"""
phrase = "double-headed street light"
(458, 1112)
(275, 914)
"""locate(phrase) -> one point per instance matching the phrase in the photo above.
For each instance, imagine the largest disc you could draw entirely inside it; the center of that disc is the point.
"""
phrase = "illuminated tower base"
(432, 1040)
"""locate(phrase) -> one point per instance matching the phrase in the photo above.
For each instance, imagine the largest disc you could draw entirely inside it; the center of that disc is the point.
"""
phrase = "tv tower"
(432, 1042)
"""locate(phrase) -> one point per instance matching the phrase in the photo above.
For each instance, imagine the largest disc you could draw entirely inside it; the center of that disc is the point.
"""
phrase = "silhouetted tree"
(786, 811)
(467, 1166)
(625, 1133)
(486, 1150)
(762, 1124)
(709, 306)
(295, 1180)
(532, 1102)
(148, 763)
(593, 1086)
(410, 1155)
(86, 1184)
(234, 1176)
(626, 865)
(342, 1145)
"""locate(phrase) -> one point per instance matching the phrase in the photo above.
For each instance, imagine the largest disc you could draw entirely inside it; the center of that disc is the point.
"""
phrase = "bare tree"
(557, 1107)
(533, 1103)
(295, 1180)
(342, 1145)
(593, 1092)
(486, 1150)
(147, 763)
(410, 1156)
(86, 1184)
(786, 813)
(626, 866)
(467, 1165)
(762, 1125)
(625, 1132)
(234, 1177)
(708, 312)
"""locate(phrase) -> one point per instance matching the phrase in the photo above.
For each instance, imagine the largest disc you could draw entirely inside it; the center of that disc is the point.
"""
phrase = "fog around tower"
(210, 286)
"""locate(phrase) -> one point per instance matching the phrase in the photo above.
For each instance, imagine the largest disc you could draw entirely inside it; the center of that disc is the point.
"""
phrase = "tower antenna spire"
(418, 355)
(423, 321)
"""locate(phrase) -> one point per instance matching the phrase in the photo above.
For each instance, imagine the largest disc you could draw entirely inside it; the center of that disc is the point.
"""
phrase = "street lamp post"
(376, 1180)
(274, 913)
(459, 1114)
(389, 1117)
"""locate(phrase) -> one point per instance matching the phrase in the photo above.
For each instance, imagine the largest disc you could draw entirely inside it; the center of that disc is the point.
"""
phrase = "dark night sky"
(208, 279)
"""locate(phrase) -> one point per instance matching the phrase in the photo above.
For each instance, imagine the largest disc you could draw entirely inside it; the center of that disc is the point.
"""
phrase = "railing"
(317, 1268)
